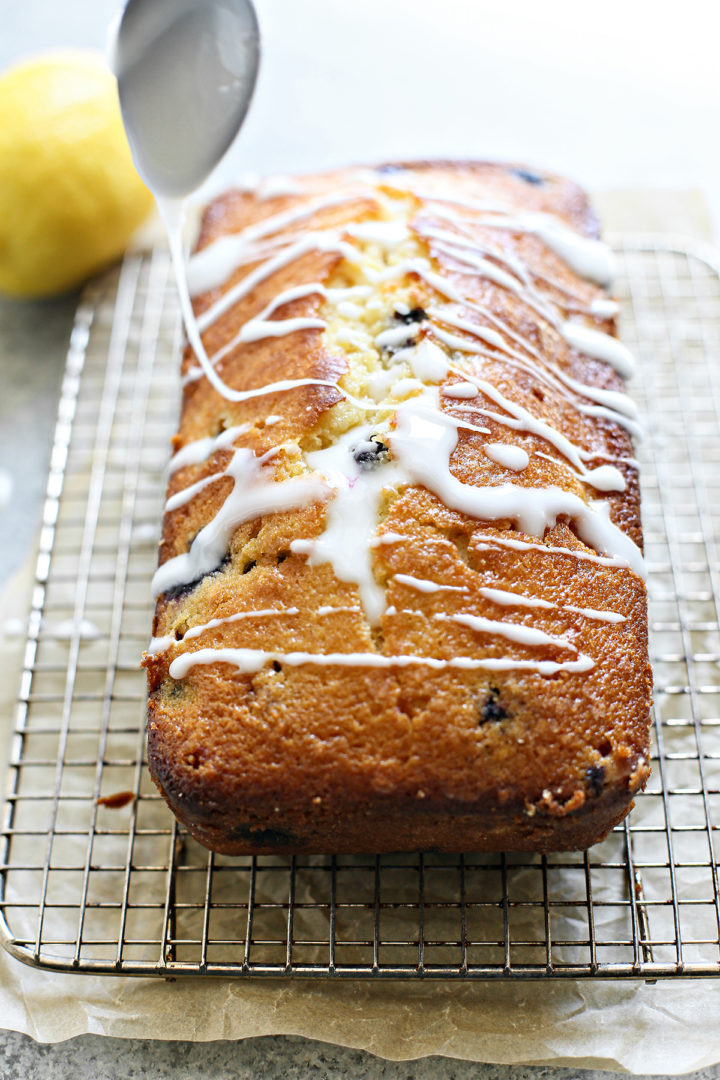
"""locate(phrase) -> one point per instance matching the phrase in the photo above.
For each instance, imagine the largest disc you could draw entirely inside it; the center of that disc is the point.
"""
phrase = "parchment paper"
(667, 1028)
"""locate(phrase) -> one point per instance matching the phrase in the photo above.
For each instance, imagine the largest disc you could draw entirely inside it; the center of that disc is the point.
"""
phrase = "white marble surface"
(289, 1058)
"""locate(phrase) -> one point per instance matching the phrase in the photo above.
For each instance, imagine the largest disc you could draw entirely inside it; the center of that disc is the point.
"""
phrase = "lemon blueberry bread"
(400, 601)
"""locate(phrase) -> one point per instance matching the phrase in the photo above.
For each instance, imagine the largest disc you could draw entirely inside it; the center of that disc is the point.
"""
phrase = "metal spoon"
(186, 72)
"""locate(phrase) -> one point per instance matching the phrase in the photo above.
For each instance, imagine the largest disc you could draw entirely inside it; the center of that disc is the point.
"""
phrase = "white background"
(616, 93)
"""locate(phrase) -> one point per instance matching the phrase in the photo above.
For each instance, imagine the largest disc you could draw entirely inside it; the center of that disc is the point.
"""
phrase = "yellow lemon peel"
(70, 198)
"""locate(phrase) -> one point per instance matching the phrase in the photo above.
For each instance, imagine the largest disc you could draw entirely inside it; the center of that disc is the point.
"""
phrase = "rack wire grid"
(98, 877)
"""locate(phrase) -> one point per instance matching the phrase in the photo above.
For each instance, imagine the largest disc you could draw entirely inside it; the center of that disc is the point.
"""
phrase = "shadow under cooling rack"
(97, 877)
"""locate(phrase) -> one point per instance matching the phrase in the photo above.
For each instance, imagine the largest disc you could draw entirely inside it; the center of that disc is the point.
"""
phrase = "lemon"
(70, 197)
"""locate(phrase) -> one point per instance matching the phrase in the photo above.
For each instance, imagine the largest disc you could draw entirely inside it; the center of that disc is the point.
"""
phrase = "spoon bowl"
(186, 72)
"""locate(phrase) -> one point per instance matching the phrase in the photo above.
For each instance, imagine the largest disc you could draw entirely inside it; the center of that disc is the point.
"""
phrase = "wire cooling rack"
(96, 875)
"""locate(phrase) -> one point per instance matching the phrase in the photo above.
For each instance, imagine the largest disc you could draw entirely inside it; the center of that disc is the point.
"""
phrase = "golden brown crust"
(352, 759)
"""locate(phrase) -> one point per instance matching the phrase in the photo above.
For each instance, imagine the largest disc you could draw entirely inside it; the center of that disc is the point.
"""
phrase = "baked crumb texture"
(399, 603)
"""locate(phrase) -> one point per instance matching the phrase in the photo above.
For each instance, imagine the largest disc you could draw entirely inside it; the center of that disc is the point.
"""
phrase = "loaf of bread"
(400, 599)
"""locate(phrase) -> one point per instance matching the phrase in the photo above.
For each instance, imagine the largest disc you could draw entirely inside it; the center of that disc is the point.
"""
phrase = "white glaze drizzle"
(612, 397)
(249, 661)
(462, 391)
(162, 644)
(589, 258)
(159, 645)
(424, 585)
(256, 613)
(276, 187)
(211, 267)
(486, 334)
(345, 609)
(516, 632)
(349, 310)
(254, 493)
(214, 264)
(427, 361)
(616, 406)
(390, 537)
(609, 414)
(510, 457)
(195, 453)
(599, 346)
(604, 309)
(550, 374)
(523, 635)
(311, 242)
(474, 255)
(487, 540)
(352, 517)
(591, 341)
(181, 498)
(422, 444)
(260, 326)
(511, 599)
(403, 387)
(478, 265)
(197, 269)
(595, 613)
(396, 335)
(622, 405)
(386, 234)
(604, 478)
